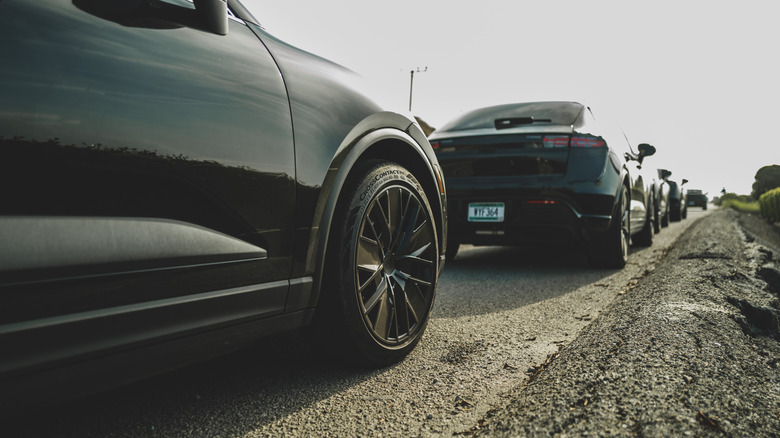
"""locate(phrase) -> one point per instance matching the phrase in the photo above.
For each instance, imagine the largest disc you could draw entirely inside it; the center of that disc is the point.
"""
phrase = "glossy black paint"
(552, 193)
(239, 142)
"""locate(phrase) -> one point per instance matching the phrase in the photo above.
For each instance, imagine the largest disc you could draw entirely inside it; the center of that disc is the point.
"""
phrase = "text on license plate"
(486, 212)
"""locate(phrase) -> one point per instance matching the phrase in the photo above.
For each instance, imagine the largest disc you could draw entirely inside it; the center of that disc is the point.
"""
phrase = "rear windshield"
(558, 113)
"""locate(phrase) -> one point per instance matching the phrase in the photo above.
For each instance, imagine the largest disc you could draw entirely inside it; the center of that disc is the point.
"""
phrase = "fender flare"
(366, 141)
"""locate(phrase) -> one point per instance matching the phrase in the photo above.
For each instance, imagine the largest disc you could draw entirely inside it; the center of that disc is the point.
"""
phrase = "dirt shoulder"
(692, 349)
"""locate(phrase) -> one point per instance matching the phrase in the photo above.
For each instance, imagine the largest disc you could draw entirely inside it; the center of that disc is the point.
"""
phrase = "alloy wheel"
(396, 265)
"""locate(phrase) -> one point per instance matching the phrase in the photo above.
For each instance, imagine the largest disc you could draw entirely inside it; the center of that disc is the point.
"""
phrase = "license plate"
(486, 212)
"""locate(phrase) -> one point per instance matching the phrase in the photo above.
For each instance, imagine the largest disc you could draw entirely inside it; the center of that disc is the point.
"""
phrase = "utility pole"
(411, 84)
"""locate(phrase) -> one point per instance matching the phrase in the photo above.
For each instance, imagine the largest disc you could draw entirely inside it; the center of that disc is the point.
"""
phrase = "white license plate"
(486, 212)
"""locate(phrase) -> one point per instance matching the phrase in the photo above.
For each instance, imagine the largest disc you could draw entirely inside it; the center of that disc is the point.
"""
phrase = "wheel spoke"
(377, 295)
(384, 314)
(415, 303)
(374, 236)
(415, 259)
(380, 222)
(369, 252)
(422, 232)
(407, 223)
(375, 276)
(403, 278)
(395, 215)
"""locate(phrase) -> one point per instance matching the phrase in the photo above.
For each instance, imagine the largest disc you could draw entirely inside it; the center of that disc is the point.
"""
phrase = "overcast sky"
(697, 79)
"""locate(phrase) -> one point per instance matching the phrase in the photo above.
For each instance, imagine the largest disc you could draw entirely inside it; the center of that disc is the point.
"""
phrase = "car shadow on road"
(483, 280)
(231, 395)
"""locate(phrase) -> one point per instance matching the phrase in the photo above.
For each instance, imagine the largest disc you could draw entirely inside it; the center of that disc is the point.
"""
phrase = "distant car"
(178, 183)
(662, 199)
(696, 198)
(544, 172)
(678, 207)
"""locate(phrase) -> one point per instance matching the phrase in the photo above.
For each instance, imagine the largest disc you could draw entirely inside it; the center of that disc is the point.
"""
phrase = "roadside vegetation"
(738, 203)
(769, 204)
(763, 200)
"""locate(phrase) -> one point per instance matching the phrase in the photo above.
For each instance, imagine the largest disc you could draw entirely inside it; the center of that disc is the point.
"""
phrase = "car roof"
(557, 113)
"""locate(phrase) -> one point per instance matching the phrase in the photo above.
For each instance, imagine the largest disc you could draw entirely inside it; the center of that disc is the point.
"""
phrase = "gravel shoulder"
(692, 349)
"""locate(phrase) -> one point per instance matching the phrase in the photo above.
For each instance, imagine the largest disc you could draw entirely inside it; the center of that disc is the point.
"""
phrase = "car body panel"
(155, 171)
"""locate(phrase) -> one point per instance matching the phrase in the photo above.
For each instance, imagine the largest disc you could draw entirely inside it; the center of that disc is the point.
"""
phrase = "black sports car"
(696, 198)
(544, 171)
(178, 183)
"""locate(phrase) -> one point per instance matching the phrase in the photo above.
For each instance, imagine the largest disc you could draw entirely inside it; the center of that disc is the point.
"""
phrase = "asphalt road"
(692, 350)
(500, 314)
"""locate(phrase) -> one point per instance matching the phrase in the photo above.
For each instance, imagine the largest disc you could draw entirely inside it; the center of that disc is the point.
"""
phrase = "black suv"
(177, 183)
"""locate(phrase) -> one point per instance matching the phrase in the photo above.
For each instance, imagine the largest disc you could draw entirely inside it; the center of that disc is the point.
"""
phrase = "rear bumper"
(532, 215)
(696, 202)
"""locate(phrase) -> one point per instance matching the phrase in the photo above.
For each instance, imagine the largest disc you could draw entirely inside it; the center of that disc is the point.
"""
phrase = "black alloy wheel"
(385, 272)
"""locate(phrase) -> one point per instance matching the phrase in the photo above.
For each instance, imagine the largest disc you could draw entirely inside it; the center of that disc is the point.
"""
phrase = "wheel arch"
(383, 136)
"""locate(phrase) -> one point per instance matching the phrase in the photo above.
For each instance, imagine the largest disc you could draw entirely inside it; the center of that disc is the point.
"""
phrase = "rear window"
(558, 113)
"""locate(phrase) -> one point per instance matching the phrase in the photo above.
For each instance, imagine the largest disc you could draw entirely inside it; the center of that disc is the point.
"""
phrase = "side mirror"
(645, 150)
(209, 15)
(684, 181)
(665, 174)
(213, 15)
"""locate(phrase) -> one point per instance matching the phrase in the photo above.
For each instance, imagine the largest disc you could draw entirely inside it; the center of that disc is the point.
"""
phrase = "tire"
(382, 267)
(656, 217)
(452, 250)
(665, 218)
(675, 215)
(645, 236)
(612, 250)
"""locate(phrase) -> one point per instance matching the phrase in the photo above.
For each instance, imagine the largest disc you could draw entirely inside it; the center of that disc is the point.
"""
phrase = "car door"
(147, 174)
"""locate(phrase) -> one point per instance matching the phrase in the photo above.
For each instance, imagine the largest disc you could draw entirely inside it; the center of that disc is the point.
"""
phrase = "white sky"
(700, 80)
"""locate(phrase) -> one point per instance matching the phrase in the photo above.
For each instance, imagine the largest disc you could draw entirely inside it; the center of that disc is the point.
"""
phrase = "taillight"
(556, 141)
(543, 202)
(587, 142)
(562, 141)
(435, 145)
